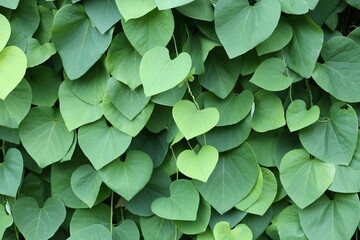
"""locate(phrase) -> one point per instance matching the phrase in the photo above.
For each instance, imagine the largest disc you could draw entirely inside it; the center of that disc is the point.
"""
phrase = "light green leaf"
(269, 112)
(85, 183)
(76, 112)
(129, 177)
(45, 136)
(165, 4)
(36, 222)
(5, 31)
(297, 117)
(222, 231)
(304, 48)
(270, 75)
(71, 24)
(16, 105)
(333, 139)
(198, 9)
(339, 75)
(11, 171)
(159, 73)
(297, 6)
(5, 221)
(131, 9)
(37, 53)
(193, 122)
(235, 22)
(303, 178)
(93, 232)
(127, 230)
(337, 218)
(101, 143)
(123, 61)
(155, 228)
(152, 30)
(233, 178)
(198, 166)
(288, 224)
(182, 204)
(12, 69)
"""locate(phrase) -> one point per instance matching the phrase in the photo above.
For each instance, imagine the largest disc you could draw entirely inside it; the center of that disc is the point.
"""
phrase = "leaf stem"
(192, 95)
(175, 45)
(189, 145)
(309, 92)
(111, 211)
(290, 93)
(174, 156)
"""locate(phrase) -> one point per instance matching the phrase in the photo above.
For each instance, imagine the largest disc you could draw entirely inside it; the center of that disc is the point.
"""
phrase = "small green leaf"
(5, 31)
(155, 228)
(222, 231)
(127, 230)
(11, 171)
(37, 53)
(297, 117)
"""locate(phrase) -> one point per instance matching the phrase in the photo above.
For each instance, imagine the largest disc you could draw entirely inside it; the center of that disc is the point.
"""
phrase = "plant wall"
(181, 119)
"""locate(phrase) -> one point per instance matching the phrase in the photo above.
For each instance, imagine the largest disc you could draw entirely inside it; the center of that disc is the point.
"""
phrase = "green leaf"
(43, 33)
(131, 9)
(333, 140)
(11, 171)
(182, 204)
(85, 183)
(76, 112)
(127, 230)
(337, 218)
(159, 73)
(152, 30)
(198, 166)
(155, 228)
(9, 135)
(129, 102)
(12, 69)
(25, 18)
(45, 136)
(170, 97)
(281, 36)
(93, 232)
(101, 143)
(233, 178)
(36, 222)
(339, 74)
(222, 231)
(264, 147)
(129, 177)
(353, 3)
(297, 6)
(37, 53)
(198, 9)
(235, 22)
(123, 61)
(269, 112)
(303, 178)
(297, 117)
(71, 24)
(118, 120)
(103, 14)
(16, 105)
(288, 224)
(5, 221)
(221, 73)
(304, 48)
(5, 31)
(165, 4)
(12, 4)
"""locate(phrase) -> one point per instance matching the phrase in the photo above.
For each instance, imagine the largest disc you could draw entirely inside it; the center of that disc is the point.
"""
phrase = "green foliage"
(179, 119)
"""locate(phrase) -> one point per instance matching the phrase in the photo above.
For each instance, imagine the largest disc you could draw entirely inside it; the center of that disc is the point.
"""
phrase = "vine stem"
(290, 93)
(175, 45)
(192, 95)
(174, 156)
(309, 92)
(111, 211)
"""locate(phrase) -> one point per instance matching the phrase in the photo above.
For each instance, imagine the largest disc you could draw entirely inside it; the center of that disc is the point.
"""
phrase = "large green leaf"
(305, 179)
(339, 75)
(131, 9)
(11, 171)
(336, 218)
(45, 136)
(334, 138)
(5, 31)
(232, 179)
(235, 22)
(71, 24)
(153, 29)
(102, 144)
(36, 222)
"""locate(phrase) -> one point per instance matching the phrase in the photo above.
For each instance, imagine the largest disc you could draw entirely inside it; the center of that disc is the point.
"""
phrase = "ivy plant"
(179, 119)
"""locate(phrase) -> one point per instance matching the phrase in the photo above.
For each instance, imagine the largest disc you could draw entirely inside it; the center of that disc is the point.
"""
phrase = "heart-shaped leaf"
(333, 139)
(126, 230)
(303, 178)
(88, 44)
(11, 172)
(337, 218)
(93, 232)
(165, 4)
(36, 222)
(131, 9)
(37, 53)
(85, 183)
(13, 65)
(235, 22)
(101, 143)
(288, 224)
(222, 231)
(5, 31)
(5, 220)
(53, 138)
(198, 166)
(159, 73)
(269, 75)
(192, 121)
(129, 177)
(297, 117)
(182, 204)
